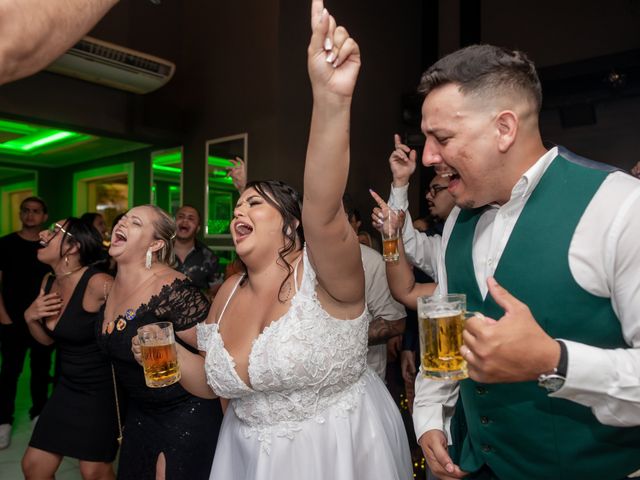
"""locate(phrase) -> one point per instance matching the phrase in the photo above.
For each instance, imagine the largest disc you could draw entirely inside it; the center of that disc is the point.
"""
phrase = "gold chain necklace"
(67, 274)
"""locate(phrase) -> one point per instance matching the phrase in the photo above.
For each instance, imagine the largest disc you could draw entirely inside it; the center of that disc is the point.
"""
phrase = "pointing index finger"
(381, 203)
(319, 24)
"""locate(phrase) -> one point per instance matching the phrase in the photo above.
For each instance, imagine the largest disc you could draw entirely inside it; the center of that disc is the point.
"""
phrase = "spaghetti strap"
(229, 299)
(295, 271)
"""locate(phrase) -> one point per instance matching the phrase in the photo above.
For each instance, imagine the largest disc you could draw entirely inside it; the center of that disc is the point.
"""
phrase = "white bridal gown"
(314, 410)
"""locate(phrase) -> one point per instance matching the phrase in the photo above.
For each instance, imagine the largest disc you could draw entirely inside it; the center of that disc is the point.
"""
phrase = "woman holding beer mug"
(168, 432)
(65, 312)
(286, 341)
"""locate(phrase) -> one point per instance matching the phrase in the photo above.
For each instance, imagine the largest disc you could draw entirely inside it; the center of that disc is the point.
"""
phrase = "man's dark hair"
(36, 200)
(482, 69)
(354, 214)
(186, 205)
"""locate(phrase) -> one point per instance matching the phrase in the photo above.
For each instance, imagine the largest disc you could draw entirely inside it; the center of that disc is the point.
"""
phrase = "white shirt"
(380, 303)
(604, 259)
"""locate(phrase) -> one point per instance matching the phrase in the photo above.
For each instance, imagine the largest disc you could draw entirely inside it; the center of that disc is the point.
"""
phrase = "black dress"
(79, 420)
(165, 420)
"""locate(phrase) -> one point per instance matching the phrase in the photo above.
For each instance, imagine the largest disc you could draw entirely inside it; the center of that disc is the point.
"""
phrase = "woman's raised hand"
(333, 57)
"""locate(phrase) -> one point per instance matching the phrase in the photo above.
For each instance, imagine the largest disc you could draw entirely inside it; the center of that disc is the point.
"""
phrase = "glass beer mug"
(441, 321)
(159, 357)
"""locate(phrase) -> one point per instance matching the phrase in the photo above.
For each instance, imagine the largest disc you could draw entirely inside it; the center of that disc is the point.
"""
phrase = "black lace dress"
(79, 420)
(165, 420)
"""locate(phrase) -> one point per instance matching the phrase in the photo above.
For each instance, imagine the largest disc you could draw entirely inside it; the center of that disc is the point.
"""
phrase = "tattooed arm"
(381, 330)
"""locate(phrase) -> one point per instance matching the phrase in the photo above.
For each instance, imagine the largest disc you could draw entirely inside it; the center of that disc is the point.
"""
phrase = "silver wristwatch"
(551, 382)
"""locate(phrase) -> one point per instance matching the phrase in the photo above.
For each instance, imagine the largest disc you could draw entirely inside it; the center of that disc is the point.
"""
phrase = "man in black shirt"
(21, 275)
(194, 258)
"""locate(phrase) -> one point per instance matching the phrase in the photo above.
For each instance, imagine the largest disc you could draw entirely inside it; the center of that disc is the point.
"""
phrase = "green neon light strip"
(35, 143)
(163, 168)
(219, 162)
(16, 127)
(168, 157)
(173, 188)
(224, 180)
(49, 139)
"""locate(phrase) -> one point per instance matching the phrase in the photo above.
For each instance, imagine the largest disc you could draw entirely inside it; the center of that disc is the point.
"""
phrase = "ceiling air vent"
(108, 64)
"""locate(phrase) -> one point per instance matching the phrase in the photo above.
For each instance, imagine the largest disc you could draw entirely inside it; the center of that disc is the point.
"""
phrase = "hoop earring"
(148, 259)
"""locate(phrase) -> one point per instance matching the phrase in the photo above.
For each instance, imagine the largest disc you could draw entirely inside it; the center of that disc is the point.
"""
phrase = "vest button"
(481, 390)
(487, 448)
(484, 420)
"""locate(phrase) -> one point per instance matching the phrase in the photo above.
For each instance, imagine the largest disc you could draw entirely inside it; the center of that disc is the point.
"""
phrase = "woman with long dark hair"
(286, 341)
(80, 418)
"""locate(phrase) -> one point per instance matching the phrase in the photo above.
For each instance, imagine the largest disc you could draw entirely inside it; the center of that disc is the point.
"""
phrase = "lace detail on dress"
(226, 382)
(204, 335)
(304, 366)
(181, 302)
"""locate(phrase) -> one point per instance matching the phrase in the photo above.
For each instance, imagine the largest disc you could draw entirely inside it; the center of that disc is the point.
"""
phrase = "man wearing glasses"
(440, 202)
(20, 277)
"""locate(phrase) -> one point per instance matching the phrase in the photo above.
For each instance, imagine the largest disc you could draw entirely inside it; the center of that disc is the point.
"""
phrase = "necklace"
(129, 314)
(66, 274)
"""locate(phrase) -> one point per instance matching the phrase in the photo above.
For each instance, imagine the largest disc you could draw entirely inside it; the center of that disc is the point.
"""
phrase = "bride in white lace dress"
(287, 341)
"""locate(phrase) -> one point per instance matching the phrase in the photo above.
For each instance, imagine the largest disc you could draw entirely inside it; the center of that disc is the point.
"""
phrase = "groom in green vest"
(545, 246)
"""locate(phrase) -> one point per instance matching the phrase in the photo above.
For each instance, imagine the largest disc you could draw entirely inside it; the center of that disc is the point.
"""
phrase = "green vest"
(517, 429)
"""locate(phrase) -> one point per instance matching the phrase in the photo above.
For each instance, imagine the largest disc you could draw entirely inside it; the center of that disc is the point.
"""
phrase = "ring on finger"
(465, 352)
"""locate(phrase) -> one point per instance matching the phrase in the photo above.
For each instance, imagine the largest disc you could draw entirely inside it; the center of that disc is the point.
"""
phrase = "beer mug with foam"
(441, 321)
(159, 357)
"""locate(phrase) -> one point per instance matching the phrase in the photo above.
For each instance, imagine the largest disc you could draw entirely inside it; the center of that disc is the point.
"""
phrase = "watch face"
(552, 383)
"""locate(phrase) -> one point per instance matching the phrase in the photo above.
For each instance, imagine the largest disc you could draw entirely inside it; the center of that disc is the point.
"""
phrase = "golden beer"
(160, 365)
(441, 321)
(440, 342)
(390, 250)
(390, 234)
(159, 356)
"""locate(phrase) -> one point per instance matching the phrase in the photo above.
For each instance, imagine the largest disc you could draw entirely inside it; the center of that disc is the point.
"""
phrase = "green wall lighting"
(163, 168)
(16, 127)
(219, 162)
(34, 139)
(167, 158)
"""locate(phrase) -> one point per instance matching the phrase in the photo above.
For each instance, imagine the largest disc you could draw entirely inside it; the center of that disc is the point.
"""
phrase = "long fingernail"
(328, 44)
(336, 63)
(331, 57)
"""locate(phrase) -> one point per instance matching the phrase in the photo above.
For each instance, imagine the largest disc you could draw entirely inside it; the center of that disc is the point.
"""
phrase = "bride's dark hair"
(288, 202)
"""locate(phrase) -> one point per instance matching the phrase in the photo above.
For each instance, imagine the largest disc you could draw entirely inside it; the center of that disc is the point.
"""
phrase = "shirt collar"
(530, 179)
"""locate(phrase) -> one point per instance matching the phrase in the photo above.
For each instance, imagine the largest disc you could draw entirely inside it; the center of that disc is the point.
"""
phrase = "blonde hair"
(164, 228)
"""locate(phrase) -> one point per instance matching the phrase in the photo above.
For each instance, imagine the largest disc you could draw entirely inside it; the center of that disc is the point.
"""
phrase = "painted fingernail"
(328, 44)
(331, 57)
(336, 63)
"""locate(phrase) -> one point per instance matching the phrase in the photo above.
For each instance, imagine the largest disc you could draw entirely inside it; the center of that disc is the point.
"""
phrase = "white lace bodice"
(302, 364)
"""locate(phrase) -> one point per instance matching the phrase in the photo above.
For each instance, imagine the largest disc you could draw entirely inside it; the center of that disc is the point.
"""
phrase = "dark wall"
(241, 67)
(389, 39)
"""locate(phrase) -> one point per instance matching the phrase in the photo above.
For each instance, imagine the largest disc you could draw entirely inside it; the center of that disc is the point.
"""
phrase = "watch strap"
(563, 363)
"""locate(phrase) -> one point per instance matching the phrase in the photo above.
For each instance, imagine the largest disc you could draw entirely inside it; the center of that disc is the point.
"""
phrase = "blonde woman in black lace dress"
(168, 432)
